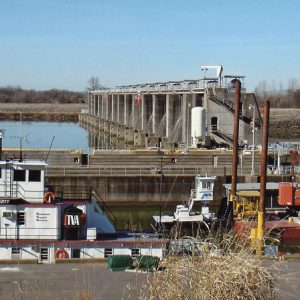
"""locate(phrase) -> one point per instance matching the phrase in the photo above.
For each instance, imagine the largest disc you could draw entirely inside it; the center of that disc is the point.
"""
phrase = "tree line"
(278, 96)
(18, 95)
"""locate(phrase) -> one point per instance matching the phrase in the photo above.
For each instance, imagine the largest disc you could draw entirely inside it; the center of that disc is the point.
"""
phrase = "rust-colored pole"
(263, 171)
(235, 149)
(263, 180)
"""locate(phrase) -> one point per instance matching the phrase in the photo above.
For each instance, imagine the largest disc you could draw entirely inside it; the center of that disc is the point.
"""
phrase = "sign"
(12, 201)
(138, 98)
(42, 217)
(73, 220)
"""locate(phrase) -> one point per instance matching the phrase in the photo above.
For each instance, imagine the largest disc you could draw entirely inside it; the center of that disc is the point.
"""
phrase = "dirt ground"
(284, 123)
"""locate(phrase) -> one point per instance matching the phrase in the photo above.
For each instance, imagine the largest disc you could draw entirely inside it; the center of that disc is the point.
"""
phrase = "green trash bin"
(147, 262)
(119, 262)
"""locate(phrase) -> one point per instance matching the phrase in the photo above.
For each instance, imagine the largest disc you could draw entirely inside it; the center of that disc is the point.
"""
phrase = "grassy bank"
(41, 112)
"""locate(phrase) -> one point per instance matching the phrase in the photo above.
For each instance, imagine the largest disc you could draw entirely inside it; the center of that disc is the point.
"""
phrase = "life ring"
(49, 197)
(61, 253)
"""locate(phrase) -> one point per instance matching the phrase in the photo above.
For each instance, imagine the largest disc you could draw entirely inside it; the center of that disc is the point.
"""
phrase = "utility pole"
(253, 139)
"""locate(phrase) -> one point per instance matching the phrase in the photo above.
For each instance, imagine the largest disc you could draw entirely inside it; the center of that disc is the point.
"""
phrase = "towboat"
(186, 213)
(46, 224)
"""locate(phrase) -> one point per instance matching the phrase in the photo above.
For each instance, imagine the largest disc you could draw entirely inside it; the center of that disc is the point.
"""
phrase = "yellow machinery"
(246, 205)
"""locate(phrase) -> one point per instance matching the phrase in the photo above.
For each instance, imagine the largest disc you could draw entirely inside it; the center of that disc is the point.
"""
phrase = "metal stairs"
(245, 117)
(106, 210)
(222, 135)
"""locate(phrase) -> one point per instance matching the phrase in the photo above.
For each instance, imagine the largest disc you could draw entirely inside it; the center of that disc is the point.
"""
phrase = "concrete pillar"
(107, 107)
(90, 103)
(125, 110)
(154, 113)
(112, 116)
(133, 117)
(100, 105)
(193, 100)
(118, 109)
(167, 115)
(142, 109)
(94, 105)
(184, 112)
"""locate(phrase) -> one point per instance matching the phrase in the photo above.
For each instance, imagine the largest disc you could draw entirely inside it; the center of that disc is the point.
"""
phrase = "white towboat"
(203, 194)
(59, 224)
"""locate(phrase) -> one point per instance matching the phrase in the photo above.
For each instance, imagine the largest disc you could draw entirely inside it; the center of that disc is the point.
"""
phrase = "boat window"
(21, 218)
(34, 175)
(108, 252)
(75, 253)
(19, 175)
(7, 214)
(15, 250)
(135, 252)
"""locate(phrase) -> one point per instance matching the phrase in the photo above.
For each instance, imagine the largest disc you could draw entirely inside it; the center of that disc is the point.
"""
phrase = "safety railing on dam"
(142, 171)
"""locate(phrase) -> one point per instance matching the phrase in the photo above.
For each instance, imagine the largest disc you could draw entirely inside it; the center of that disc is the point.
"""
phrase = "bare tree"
(93, 83)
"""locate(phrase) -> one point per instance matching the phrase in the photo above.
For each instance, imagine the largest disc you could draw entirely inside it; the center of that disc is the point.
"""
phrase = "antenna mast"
(50, 148)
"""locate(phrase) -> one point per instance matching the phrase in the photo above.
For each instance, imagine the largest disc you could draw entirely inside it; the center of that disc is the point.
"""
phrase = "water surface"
(39, 135)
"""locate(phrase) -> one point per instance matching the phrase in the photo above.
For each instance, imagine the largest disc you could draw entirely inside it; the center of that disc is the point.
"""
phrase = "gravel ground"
(94, 281)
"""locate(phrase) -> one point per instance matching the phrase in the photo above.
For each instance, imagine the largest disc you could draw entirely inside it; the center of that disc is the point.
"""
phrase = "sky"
(60, 44)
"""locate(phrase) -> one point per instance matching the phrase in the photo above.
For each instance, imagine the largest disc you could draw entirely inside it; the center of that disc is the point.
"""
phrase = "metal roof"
(253, 186)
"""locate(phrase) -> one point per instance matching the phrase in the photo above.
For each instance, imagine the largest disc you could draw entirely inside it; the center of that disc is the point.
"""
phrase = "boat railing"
(70, 193)
(16, 191)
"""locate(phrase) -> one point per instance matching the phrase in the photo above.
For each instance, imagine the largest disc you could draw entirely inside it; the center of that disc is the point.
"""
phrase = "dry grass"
(220, 269)
(41, 107)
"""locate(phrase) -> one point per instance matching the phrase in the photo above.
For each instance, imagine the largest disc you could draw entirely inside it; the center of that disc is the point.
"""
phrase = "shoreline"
(40, 116)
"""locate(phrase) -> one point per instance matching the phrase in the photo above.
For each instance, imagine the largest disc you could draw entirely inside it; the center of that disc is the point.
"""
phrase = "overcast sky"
(61, 43)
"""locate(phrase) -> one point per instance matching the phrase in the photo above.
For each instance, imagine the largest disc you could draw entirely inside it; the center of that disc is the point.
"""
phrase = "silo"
(198, 125)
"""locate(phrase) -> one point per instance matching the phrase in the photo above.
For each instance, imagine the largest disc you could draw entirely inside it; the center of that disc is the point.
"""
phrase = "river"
(40, 134)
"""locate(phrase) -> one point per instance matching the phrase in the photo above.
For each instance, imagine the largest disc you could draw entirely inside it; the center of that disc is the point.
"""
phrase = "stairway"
(10, 189)
(246, 117)
(222, 135)
(106, 210)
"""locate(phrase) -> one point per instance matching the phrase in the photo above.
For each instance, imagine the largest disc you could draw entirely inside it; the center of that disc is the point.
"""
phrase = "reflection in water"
(137, 217)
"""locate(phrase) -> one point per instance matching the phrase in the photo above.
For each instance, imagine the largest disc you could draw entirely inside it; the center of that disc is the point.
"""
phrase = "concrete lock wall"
(139, 190)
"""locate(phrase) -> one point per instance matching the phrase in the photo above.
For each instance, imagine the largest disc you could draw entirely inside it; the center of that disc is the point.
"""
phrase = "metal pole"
(160, 193)
(253, 141)
(263, 178)
(235, 139)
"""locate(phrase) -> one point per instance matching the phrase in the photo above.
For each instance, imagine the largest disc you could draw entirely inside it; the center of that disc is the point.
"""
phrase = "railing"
(106, 210)
(246, 116)
(79, 193)
(141, 171)
(15, 190)
(221, 134)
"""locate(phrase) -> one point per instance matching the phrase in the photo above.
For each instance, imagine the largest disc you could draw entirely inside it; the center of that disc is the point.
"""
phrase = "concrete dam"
(138, 116)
